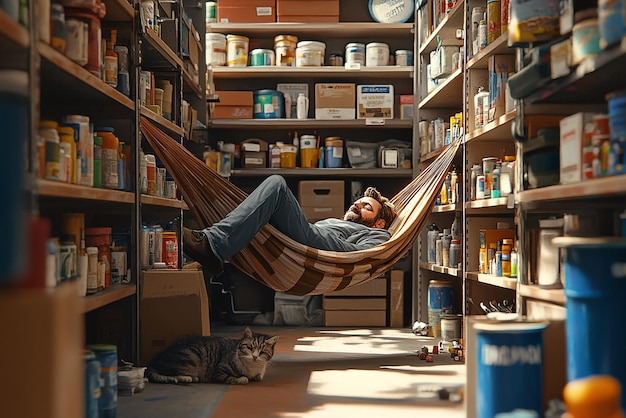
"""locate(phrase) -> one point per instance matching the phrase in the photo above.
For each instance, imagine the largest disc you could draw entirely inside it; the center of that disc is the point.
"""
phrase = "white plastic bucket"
(451, 327)
(376, 54)
(215, 48)
(237, 50)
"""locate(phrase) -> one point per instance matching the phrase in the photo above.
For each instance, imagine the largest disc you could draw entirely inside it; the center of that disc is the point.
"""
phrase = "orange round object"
(593, 396)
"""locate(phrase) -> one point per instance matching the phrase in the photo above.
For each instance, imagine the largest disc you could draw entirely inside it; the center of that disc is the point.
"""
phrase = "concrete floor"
(321, 372)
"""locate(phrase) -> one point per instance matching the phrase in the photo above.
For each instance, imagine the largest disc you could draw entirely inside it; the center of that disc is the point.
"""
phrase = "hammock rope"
(278, 261)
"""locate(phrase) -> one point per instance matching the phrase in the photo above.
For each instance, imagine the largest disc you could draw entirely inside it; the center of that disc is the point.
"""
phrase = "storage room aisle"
(322, 372)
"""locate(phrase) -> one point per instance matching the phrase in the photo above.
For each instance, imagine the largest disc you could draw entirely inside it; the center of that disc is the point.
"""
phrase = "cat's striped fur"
(213, 359)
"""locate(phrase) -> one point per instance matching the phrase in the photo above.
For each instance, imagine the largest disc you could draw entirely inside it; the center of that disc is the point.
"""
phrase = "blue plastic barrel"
(595, 288)
(509, 371)
(92, 384)
(14, 122)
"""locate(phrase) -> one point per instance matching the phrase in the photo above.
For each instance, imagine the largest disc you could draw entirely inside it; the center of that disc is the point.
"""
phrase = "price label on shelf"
(375, 122)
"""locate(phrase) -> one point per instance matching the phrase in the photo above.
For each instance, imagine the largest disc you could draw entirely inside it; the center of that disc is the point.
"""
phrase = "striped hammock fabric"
(276, 260)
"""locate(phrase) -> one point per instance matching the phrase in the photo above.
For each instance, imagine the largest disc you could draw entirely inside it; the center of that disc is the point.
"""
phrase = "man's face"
(365, 211)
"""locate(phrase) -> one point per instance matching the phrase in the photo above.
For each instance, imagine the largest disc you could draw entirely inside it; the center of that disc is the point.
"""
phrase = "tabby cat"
(213, 359)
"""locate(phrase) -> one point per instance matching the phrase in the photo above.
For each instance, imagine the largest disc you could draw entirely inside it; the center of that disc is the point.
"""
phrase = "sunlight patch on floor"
(358, 341)
(335, 410)
(398, 383)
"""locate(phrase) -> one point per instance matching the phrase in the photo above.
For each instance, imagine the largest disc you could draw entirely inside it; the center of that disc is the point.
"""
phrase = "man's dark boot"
(196, 245)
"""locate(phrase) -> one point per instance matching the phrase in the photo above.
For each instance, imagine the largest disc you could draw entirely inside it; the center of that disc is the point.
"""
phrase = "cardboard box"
(396, 299)
(488, 236)
(374, 287)
(321, 193)
(406, 106)
(332, 303)
(317, 213)
(335, 101)
(499, 67)
(534, 123)
(173, 303)
(375, 101)
(42, 352)
(307, 19)
(233, 105)
(308, 8)
(573, 130)
(355, 318)
(246, 11)
(253, 153)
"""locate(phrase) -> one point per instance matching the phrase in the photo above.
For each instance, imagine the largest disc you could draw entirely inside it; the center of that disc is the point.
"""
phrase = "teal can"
(92, 384)
(106, 354)
(262, 57)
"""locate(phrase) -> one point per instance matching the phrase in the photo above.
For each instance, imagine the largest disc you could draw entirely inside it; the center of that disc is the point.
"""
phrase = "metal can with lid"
(404, 57)
(262, 57)
(355, 53)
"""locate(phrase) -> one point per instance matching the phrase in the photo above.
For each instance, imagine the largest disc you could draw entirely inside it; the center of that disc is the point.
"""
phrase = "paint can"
(440, 302)
(170, 249)
(92, 384)
(355, 54)
(237, 50)
(268, 104)
(106, 354)
(262, 57)
(376, 54)
(309, 153)
(594, 294)
(509, 351)
(451, 327)
(404, 57)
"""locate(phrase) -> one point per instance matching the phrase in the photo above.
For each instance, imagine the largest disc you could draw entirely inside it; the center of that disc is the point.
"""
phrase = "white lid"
(391, 11)
(312, 44)
(150, 159)
(160, 265)
(377, 45)
(551, 223)
(14, 82)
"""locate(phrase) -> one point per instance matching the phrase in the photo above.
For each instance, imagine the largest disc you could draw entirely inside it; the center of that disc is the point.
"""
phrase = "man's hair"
(387, 210)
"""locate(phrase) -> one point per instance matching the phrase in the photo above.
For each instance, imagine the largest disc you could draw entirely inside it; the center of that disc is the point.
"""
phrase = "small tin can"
(211, 11)
(355, 53)
(67, 265)
(335, 59)
(262, 57)
(493, 20)
(404, 57)
(170, 249)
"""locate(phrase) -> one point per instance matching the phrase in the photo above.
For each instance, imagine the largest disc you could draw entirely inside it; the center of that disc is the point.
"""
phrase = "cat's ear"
(272, 340)
(247, 333)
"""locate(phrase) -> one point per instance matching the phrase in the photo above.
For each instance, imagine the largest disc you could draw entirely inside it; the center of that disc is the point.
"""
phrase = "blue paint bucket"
(509, 371)
(92, 384)
(440, 302)
(268, 104)
(334, 152)
(595, 285)
(14, 116)
(106, 354)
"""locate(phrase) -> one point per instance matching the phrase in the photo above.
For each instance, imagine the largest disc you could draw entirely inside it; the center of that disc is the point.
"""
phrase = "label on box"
(264, 11)
(375, 101)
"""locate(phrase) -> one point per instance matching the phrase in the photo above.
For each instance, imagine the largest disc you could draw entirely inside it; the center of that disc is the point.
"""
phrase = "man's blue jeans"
(272, 202)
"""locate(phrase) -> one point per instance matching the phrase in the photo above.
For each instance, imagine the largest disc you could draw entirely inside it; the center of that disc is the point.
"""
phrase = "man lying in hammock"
(364, 225)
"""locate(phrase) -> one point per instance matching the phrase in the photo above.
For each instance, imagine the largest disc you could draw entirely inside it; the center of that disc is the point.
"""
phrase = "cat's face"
(256, 347)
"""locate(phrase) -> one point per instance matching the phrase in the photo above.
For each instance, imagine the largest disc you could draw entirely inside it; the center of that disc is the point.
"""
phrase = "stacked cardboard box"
(362, 305)
(311, 11)
(246, 11)
(321, 199)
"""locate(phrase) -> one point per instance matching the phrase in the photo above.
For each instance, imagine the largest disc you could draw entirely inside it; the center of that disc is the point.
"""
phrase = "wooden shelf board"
(606, 186)
(162, 122)
(12, 32)
(495, 130)
(157, 54)
(334, 30)
(66, 190)
(108, 296)
(440, 269)
(548, 295)
(388, 72)
(448, 94)
(119, 11)
(325, 172)
(307, 123)
(503, 282)
(498, 47)
(161, 201)
(446, 29)
(447, 208)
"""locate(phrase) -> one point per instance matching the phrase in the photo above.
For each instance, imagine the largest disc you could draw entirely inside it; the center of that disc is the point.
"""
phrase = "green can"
(262, 57)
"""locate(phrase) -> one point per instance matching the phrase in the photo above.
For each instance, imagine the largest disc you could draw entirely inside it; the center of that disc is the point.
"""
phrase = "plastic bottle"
(498, 263)
(506, 257)
(433, 233)
(495, 186)
(513, 263)
(111, 62)
(453, 187)
(97, 161)
(66, 136)
(110, 146)
(151, 173)
(455, 253)
(302, 106)
(121, 179)
(48, 130)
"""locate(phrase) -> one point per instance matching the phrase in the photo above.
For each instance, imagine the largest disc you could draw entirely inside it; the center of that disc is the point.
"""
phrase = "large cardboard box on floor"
(42, 352)
(173, 303)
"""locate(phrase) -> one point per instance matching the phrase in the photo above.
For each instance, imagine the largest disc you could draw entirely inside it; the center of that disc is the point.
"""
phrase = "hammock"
(276, 260)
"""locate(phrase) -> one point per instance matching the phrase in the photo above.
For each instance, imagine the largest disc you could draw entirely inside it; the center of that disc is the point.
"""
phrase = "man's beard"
(356, 217)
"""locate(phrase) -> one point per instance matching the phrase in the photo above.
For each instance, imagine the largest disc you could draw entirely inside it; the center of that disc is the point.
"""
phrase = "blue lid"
(391, 11)
(105, 129)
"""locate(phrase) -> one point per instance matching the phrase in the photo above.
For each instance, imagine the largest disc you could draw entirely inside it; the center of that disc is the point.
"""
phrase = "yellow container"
(66, 135)
(237, 50)
(309, 153)
(288, 156)
(494, 21)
